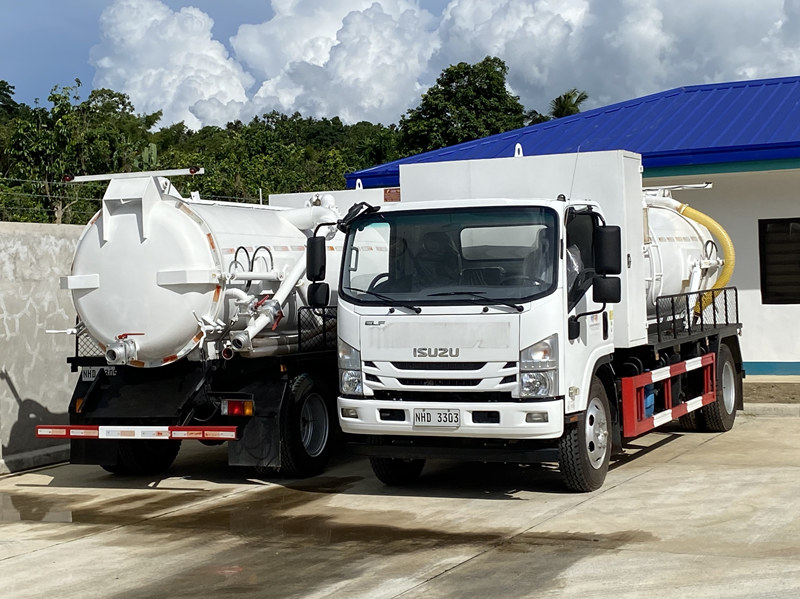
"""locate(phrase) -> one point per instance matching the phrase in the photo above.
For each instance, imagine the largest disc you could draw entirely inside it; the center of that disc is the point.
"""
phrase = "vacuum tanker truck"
(194, 324)
(532, 309)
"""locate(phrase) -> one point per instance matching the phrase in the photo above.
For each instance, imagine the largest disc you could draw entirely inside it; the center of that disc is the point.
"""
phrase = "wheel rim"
(596, 429)
(728, 381)
(314, 425)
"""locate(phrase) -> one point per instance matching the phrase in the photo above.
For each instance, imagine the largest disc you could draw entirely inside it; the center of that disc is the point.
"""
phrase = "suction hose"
(727, 251)
(722, 236)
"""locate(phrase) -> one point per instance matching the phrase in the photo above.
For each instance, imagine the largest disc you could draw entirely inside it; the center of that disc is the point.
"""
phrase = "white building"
(744, 138)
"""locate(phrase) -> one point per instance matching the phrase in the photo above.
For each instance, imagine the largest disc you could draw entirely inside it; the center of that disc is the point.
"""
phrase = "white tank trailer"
(197, 318)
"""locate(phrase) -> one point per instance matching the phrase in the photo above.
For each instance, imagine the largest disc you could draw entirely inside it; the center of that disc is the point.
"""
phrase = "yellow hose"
(727, 251)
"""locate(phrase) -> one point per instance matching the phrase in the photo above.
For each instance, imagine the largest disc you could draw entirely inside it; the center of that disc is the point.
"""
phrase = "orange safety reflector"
(66, 432)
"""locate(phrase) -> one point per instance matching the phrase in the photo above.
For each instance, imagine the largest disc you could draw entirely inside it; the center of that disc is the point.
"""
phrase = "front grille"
(438, 365)
(449, 396)
(440, 382)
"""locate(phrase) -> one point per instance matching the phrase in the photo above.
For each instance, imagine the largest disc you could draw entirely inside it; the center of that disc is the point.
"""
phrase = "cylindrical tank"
(682, 255)
(154, 269)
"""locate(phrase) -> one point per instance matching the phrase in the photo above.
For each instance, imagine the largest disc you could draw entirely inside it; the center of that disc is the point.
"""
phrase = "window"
(580, 254)
(779, 256)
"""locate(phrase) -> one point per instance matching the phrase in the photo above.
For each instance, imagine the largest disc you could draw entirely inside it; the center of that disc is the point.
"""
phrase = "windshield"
(469, 255)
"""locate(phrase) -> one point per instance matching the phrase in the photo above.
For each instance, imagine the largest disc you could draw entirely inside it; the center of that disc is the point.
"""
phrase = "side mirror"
(315, 259)
(608, 250)
(319, 294)
(606, 290)
(573, 328)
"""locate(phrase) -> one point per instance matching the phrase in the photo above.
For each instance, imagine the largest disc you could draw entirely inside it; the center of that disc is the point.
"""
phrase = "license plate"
(89, 373)
(434, 417)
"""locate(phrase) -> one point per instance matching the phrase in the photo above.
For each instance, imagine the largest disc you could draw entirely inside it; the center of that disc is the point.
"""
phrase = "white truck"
(531, 309)
(194, 323)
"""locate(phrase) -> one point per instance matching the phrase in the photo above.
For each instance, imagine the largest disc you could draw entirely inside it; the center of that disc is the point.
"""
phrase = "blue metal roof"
(697, 125)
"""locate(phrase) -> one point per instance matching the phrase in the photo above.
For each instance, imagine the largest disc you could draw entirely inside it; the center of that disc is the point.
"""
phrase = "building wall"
(770, 340)
(35, 380)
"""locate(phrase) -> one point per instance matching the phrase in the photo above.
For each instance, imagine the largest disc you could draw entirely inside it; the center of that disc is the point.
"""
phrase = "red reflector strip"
(217, 433)
(227, 433)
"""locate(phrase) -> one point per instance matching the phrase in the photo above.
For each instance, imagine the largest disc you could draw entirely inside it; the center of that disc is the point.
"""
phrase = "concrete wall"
(35, 380)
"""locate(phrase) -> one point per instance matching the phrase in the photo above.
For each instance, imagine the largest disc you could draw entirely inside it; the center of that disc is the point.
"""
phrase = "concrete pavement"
(683, 514)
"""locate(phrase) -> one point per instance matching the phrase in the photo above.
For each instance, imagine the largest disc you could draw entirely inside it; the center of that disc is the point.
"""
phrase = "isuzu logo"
(436, 352)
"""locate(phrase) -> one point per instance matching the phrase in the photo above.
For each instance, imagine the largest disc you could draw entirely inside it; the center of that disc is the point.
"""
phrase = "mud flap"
(259, 444)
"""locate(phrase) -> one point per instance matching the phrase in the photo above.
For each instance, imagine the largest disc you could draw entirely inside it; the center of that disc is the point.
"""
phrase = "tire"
(585, 448)
(396, 472)
(144, 457)
(720, 415)
(693, 421)
(306, 430)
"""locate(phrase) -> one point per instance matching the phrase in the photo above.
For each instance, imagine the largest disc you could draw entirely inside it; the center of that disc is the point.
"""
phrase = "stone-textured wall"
(35, 380)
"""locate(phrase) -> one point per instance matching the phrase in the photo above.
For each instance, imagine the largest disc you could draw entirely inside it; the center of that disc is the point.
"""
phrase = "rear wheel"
(144, 457)
(585, 448)
(693, 421)
(720, 415)
(394, 472)
(306, 431)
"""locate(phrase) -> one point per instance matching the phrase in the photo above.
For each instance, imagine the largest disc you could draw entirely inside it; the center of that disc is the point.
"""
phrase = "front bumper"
(508, 420)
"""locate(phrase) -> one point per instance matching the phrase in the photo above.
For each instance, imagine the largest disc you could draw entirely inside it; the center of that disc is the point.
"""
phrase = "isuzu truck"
(532, 309)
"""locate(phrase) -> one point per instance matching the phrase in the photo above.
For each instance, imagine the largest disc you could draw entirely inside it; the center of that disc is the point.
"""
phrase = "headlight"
(538, 365)
(350, 382)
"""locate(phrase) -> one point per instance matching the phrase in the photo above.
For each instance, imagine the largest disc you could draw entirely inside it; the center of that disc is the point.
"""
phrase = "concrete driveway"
(684, 514)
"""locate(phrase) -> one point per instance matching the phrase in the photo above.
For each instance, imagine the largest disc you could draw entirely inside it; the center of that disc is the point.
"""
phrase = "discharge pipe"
(270, 311)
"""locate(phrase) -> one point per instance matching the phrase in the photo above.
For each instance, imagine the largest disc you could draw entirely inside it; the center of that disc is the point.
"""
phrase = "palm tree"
(567, 103)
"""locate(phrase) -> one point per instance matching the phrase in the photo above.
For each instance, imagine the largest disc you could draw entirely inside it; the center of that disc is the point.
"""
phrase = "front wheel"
(395, 472)
(719, 416)
(306, 431)
(585, 448)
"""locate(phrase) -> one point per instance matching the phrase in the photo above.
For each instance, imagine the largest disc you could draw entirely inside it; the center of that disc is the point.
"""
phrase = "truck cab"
(475, 321)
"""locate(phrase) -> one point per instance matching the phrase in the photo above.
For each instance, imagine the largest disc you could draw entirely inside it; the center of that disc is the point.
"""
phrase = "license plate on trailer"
(434, 417)
(89, 373)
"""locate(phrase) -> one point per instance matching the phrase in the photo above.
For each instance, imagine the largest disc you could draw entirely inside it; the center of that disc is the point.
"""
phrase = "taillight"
(237, 407)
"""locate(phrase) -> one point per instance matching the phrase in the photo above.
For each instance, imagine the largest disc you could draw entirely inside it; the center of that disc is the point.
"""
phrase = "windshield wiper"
(389, 300)
(479, 295)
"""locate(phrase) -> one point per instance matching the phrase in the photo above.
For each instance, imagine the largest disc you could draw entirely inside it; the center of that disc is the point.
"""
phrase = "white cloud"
(372, 59)
(356, 59)
(168, 60)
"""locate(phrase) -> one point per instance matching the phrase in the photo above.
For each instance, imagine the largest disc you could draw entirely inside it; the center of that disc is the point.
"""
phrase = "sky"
(208, 62)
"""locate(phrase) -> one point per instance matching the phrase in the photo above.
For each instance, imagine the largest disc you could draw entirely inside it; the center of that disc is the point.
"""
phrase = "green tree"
(99, 135)
(568, 103)
(7, 104)
(468, 101)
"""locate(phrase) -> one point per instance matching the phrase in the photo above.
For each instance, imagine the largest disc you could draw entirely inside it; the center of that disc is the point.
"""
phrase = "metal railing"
(688, 314)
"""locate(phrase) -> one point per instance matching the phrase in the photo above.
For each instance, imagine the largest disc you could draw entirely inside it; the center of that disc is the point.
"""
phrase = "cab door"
(589, 319)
